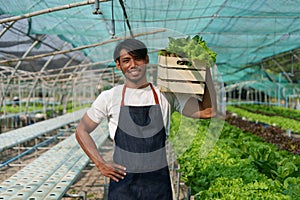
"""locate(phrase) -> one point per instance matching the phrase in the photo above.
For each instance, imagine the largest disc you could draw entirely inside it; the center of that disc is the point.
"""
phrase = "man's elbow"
(77, 134)
(208, 113)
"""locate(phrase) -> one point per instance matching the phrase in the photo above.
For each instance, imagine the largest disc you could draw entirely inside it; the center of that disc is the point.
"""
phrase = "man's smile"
(134, 71)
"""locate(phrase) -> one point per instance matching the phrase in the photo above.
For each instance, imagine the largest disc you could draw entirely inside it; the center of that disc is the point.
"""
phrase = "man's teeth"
(133, 70)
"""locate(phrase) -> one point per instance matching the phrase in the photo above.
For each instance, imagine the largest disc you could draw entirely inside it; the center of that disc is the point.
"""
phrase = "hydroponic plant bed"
(240, 166)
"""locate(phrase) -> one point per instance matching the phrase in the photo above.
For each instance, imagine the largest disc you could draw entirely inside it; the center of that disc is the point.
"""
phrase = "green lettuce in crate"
(194, 49)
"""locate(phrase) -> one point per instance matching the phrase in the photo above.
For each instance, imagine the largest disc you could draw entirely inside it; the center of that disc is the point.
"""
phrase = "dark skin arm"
(83, 130)
(207, 107)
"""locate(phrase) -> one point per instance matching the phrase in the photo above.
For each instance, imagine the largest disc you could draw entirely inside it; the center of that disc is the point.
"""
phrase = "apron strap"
(154, 94)
(143, 86)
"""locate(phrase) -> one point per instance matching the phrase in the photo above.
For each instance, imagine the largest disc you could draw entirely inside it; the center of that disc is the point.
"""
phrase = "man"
(138, 115)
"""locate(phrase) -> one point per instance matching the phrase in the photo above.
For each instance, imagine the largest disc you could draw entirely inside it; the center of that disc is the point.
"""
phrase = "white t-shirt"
(107, 105)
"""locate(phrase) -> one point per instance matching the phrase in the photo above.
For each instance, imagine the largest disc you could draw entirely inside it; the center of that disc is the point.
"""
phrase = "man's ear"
(147, 59)
(118, 64)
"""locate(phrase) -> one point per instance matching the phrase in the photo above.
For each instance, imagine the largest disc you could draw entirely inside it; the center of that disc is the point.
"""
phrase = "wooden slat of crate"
(180, 87)
(175, 76)
(181, 74)
(174, 62)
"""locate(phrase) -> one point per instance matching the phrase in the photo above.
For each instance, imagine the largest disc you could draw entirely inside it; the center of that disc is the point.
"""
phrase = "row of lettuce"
(240, 165)
(39, 107)
(279, 120)
(271, 110)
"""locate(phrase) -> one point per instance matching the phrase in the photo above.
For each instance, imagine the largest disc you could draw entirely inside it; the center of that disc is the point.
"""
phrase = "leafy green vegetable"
(282, 122)
(192, 48)
(292, 187)
(240, 166)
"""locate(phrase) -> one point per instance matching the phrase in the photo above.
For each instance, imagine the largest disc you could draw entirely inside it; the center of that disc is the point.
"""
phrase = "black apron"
(140, 147)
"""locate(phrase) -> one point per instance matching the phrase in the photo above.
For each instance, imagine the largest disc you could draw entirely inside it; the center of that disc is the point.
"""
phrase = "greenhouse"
(56, 57)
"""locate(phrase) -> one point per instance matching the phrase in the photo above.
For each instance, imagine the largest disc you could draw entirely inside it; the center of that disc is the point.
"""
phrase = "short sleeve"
(98, 111)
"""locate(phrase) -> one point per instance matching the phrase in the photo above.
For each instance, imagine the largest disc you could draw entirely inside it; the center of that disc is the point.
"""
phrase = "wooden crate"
(174, 75)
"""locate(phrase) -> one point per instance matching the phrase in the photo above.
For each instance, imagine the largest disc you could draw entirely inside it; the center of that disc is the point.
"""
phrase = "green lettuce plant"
(194, 49)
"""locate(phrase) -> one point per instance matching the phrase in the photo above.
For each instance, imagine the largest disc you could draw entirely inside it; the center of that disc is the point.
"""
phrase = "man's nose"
(134, 63)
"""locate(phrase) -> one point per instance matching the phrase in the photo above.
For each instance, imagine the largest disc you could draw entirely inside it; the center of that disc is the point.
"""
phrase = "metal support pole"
(178, 183)
(278, 91)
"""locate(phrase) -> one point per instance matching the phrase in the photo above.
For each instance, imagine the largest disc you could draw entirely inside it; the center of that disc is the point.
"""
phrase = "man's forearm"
(209, 96)
(89, 147)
